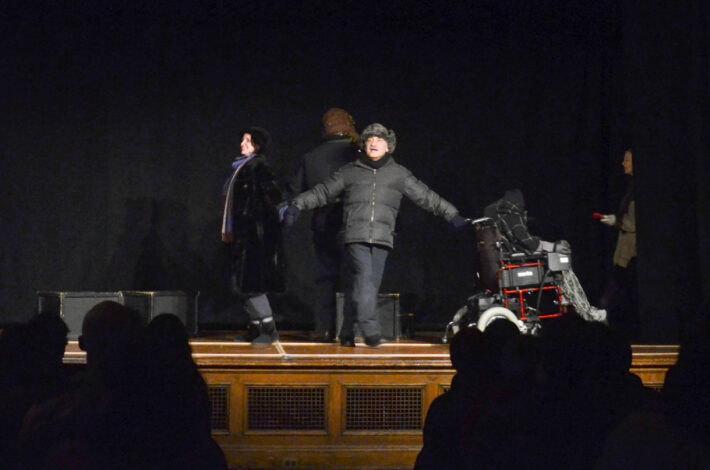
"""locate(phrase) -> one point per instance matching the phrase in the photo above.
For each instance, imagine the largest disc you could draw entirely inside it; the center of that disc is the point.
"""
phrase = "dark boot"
(325, 337)
(374, 341)
(267, 333)
(251, 333)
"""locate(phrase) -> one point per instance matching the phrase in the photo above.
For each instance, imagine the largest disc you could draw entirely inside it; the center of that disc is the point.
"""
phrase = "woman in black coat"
(250, 224)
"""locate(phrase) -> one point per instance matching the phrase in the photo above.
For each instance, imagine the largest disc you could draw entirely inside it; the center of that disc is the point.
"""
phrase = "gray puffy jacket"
(371, 199)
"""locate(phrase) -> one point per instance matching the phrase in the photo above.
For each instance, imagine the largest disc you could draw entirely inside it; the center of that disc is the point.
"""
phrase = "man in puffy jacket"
(371, 188)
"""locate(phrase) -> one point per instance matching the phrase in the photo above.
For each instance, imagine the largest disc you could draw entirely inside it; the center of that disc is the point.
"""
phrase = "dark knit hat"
(260, 137)
(378, 130)
(337, 121)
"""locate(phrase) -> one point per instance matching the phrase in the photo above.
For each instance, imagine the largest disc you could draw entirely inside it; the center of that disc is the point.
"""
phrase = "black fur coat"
(256, 246)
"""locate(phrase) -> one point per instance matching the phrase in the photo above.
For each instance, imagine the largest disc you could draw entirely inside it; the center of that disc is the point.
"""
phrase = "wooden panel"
(279, 408)
(651, 362)
(295, 365)
(221, 407)
(338, 447)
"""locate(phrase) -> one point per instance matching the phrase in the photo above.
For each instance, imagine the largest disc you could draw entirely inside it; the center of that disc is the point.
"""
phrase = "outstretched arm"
(321, 194)
(427, 199)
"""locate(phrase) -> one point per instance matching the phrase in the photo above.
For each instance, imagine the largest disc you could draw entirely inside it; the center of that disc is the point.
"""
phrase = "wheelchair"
(523, 288)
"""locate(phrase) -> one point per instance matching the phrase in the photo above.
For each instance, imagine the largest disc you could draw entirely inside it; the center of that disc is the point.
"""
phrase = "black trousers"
(329, 259)
(365, 267)
(621, 301)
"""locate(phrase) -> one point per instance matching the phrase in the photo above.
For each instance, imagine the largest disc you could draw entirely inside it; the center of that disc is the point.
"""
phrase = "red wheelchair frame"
(507, 279)
(519, 292)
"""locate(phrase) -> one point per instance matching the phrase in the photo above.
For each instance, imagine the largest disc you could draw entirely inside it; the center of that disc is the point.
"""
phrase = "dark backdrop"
(119, 123)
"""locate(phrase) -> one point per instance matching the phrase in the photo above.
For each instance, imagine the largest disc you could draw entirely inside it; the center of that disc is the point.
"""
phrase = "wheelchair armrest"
(557, 262)
(520, 257)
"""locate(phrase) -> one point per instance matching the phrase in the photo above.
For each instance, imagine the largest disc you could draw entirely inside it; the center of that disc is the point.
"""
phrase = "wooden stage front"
(298, 404)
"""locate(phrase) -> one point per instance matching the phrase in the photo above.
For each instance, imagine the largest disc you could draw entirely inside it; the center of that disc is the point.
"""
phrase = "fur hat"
(259, 136)
(378, 130)
(337, 121)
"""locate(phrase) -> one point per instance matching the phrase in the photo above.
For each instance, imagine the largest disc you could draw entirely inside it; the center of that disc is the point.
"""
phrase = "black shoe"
(267, 335)
(265, 339)
(347, 342)
(326, 337)
(374, 341)
(251, 333)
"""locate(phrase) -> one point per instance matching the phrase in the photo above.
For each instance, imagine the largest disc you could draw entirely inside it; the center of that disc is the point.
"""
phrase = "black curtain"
(120, 122)
(665, 76)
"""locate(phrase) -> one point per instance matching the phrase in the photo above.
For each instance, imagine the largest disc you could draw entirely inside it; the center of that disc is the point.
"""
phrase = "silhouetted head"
(464, 347)
(500, 332)
(571, 353)
(168, 338)
(110, 333)
(48, 335)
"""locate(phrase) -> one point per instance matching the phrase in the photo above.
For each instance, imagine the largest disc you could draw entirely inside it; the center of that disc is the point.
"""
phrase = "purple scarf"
(237, 165)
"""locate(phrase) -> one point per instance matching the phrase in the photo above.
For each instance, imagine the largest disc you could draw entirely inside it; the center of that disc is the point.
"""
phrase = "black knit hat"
(378, 130)
(259, 137)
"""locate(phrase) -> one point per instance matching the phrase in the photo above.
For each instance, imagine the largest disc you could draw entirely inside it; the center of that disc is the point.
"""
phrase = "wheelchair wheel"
(499, 313)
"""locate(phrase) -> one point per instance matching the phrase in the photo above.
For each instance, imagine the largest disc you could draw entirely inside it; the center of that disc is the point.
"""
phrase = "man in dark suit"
(339, 147)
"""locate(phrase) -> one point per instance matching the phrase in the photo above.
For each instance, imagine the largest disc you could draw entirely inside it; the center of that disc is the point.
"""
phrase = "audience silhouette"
(15, 380)
(565, 399)
(676, 436)
(122, 413)
(180, 403)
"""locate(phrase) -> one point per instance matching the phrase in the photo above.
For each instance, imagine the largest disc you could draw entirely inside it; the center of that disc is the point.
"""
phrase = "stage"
(300, 404)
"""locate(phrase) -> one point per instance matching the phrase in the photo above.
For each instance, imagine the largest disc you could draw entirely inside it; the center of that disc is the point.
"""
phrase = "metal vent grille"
(378, 408)
(219, 404)
(286, 408)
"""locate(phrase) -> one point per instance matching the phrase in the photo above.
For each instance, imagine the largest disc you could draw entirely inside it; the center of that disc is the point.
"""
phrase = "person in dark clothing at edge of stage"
(339, 147)
(371, 188)
(621, 296)
(250, 224)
